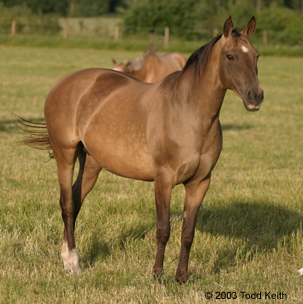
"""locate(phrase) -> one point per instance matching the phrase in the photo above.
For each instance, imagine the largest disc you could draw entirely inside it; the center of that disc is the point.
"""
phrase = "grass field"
(249, 229)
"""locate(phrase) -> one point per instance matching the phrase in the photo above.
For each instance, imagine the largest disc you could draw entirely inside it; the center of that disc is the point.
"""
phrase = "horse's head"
(121, 66)
(238, 64)
(129, 66)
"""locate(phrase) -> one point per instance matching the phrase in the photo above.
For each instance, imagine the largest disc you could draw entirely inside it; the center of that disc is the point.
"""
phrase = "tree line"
(282, 19)
(92, 8)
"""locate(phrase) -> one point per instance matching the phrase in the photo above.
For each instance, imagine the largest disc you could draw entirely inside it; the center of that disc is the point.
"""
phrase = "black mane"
(201, 56)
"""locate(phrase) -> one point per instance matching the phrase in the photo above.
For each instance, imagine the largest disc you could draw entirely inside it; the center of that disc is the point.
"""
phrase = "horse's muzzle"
(253, 101)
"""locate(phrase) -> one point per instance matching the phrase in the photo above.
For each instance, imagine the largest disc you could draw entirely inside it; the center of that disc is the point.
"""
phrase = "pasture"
(249, 234)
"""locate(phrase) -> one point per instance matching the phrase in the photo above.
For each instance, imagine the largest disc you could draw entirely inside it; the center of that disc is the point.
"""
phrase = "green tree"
(89, 8)
(294, 4)
(153, 14)
(86, 8)
(42, 6)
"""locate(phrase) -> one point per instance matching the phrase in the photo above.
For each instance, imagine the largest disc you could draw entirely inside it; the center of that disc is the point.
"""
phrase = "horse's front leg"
(193, 200)
(87, 176)
(163, 189)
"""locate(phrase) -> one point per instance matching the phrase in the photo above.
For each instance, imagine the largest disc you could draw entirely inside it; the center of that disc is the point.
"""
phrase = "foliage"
(76, 8)
(294, 4)
(212, 17)
(150, 15)
(197, 19)
(286, 25)
(27, 22)
(89, 8)
(189, 20)
(41, 6)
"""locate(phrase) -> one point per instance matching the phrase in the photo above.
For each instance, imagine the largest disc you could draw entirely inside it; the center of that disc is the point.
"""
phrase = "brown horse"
(167, 132)
(150, 67)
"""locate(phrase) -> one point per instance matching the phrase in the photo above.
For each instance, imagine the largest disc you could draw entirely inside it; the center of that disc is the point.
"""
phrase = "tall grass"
(249, 229)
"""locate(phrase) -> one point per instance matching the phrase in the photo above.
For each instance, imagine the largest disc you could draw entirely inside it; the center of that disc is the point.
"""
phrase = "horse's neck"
(205, 93)
(152, 67)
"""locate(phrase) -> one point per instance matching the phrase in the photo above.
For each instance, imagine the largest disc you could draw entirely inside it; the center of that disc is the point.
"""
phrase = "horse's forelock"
(237, 32)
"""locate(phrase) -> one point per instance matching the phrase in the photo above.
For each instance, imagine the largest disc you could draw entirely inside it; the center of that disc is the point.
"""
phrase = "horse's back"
(84, 91)
(104, 110)
(79, 82)
(174, 60)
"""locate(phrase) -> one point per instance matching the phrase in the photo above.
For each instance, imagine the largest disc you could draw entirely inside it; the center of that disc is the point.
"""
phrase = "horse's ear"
(250, 27)
(114, 61)
(149, 48)
(137, 64)
(228, 27)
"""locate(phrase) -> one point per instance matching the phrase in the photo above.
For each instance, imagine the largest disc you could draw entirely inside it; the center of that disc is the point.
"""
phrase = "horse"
(152, 67)
(167, 132)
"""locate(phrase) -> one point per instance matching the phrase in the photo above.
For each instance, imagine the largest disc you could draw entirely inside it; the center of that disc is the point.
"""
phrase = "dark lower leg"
(87, 177)
(163, 188)
(193, 200)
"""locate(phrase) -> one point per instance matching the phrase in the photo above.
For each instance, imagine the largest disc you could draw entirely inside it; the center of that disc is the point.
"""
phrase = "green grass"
(132, 43)
(92, 42)
(249, 229)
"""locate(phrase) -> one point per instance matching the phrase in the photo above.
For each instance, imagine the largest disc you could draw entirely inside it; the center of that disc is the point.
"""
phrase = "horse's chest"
(209, 155)
(197, 167)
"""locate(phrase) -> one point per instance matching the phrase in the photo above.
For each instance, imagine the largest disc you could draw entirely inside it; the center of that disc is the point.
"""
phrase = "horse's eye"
(230, 57)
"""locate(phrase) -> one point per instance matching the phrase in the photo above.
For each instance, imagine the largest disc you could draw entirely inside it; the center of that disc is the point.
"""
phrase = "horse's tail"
(38, 137)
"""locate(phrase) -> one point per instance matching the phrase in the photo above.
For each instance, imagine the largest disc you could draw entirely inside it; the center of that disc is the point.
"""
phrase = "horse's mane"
(201, 56)
(151, 48)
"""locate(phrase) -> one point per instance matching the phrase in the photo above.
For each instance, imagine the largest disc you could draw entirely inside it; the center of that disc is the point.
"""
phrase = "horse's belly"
(123, 162)
(125, 154)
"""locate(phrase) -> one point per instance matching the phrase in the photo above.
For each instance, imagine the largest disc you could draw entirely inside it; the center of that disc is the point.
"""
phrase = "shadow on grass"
(260, 226)
(259, 223)
(101, 250)
(98, 250)
(233, 127)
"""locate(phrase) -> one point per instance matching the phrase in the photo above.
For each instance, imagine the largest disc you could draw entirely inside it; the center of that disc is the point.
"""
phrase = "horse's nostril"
(250, 95)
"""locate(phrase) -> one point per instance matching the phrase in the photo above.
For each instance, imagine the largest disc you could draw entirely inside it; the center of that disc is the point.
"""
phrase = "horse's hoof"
(77, 271)
(157, 273)
(72, 270)
(182, 278)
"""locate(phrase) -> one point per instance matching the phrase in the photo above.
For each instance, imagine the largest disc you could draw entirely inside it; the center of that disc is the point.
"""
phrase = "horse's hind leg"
(66, 159)
(87, 176)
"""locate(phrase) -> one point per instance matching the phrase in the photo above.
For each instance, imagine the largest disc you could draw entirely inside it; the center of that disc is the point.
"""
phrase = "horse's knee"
(187, 241)
(187, 237)
(162, 235)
